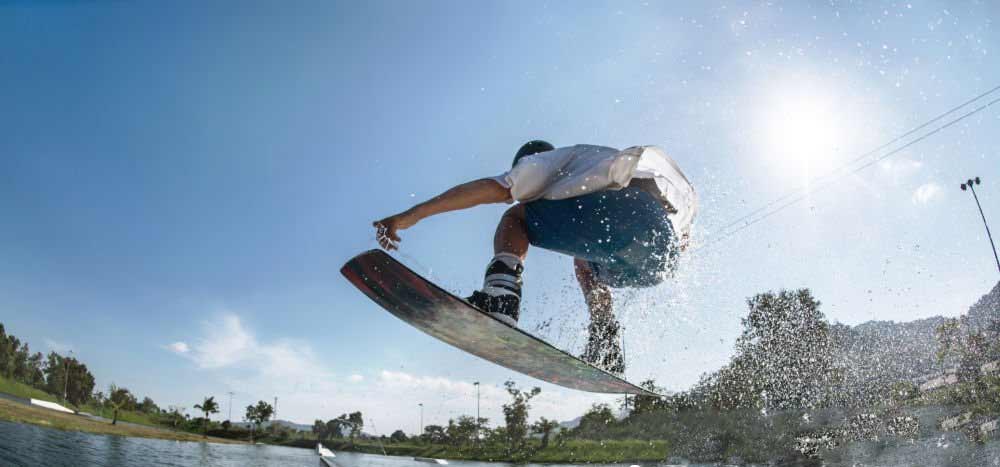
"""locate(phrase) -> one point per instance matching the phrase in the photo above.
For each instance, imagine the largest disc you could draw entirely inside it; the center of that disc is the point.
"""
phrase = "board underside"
(448, 318)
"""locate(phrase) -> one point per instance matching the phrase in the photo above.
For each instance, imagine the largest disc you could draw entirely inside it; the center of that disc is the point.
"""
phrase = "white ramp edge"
(324, 452)
(50, 405)
(431, 460)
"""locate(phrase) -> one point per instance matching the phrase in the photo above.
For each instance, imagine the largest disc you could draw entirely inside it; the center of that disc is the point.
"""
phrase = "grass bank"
(570, 451)
(19, 413)
(19, 389)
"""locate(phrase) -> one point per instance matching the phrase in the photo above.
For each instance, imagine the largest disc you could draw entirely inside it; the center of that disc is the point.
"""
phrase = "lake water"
(30, 445)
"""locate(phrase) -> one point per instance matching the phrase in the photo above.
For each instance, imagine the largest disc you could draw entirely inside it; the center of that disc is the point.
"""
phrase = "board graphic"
(451, 319)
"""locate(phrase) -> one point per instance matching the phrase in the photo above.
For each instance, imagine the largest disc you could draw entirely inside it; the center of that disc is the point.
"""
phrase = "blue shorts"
(624, 235)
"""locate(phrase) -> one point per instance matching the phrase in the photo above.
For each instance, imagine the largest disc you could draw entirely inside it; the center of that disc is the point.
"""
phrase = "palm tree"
(209, 406)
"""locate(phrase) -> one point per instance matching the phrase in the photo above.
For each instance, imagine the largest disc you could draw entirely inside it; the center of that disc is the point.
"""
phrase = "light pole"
(623, 358)
(66, 376)
(970, 185)
(230, 405)
(421, 432)
(477, 410)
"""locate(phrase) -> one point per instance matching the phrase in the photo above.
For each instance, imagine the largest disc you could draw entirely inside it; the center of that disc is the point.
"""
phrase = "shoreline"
(18, 413)
(576, 451)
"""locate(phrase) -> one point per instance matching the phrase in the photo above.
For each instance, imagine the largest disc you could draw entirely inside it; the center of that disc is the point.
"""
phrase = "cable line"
(862, 156)
(804, 193)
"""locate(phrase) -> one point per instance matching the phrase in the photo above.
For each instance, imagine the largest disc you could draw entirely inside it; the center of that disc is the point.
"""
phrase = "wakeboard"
(442, 315)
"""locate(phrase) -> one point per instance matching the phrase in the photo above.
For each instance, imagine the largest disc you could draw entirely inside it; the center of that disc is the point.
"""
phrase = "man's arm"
(464, 196)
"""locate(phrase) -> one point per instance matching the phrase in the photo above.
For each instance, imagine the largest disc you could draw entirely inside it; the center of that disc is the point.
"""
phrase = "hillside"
(877, 353)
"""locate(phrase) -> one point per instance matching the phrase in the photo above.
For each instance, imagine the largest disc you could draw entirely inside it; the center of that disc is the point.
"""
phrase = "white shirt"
(578, 170)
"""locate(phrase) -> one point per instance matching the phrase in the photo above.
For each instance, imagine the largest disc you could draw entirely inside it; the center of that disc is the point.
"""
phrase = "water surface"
(30, 445)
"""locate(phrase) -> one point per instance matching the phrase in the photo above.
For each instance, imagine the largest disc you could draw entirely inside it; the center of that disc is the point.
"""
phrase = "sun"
(801, 130)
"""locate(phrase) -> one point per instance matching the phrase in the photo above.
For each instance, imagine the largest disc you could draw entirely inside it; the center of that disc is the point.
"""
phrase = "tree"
(226, 425)
(334, 429)
(8, 351)
(434, 434)
(319, 429)
(175, 416)
(595, 422)
(784, 358)
(462, 431)
(357, 424)
(544, 427)
(644, 404)
(398, 436)
(209, 407)
(36, 373)
(148, 406)
(69, 375)
(119, 399)
(258, 414)
(354, 422)
(516, 415)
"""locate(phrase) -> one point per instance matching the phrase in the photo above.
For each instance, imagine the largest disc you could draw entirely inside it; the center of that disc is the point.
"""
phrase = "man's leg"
(596, 294)
(603, 341)
(512, 233)
(501, 293)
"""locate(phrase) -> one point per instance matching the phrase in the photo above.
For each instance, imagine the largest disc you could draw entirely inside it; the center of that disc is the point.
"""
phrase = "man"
(622, 215)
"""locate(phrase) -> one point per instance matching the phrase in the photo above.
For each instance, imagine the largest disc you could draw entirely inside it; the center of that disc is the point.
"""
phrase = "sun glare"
(801, 131)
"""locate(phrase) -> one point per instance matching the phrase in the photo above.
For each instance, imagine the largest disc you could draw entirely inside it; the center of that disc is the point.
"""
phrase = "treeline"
(351, 424)
(468, 437)
(63, 377)
(786, 382)
(68, 379)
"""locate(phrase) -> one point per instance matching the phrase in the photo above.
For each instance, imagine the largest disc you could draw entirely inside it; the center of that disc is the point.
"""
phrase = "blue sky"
(180, 182)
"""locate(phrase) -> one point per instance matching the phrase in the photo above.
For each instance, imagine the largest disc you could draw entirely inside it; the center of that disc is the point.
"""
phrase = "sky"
(180, 182)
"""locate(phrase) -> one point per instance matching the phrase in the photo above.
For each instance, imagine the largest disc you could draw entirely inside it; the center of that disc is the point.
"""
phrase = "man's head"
(532, 147)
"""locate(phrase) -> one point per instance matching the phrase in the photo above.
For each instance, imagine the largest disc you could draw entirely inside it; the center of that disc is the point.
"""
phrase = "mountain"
(878, 353)
(985, 312)
(282, 423)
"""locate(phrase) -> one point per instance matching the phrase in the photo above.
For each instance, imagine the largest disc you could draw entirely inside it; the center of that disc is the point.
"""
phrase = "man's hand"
(385, 229)
(466, 195)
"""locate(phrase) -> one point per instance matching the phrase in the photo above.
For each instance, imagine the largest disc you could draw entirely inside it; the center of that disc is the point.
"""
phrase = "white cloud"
(226, 343)
(927, 193)
(445, 398)
(55, 346)
(900, 168)
(232, 356)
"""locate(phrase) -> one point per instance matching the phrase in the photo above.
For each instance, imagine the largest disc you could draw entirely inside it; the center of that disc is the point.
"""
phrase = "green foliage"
(208, 407)
(784, 358)
(595, 422)
(515, 415)
(20, 389)
(258, 414)
(461, 432)
(642, 403)
(434, 434)
(174, 416)
(70, 376)
(398, 437)
(354, 422)
(120, 399)
(55, 374)
(544, 427)
(334, 429)
(148, 406)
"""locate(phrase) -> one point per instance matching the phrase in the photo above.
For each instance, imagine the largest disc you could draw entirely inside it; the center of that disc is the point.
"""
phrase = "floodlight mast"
(970, 185)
